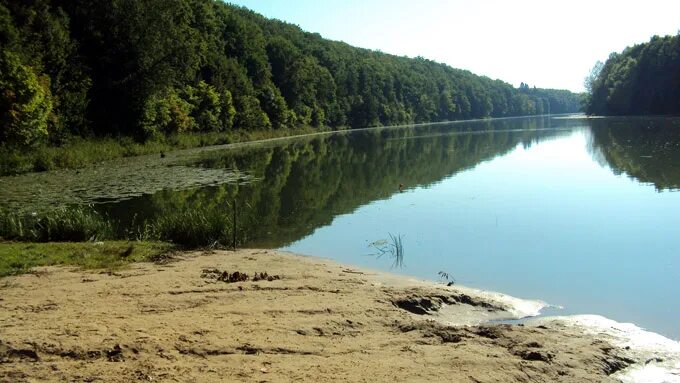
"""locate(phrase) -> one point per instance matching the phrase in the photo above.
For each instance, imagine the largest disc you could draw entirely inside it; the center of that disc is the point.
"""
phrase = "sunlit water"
(580, 213)
(546, 222)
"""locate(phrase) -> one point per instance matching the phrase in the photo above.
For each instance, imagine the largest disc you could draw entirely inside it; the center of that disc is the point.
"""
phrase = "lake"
(580, 213)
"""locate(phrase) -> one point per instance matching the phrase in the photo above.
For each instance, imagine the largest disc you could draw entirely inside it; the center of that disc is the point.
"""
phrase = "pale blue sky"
(544, 43)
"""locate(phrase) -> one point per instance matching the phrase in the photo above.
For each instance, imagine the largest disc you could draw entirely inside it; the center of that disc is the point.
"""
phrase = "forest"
(151, 69)
(642, 80)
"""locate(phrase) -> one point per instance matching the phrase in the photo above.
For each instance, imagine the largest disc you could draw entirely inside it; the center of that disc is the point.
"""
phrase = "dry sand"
(320, 322)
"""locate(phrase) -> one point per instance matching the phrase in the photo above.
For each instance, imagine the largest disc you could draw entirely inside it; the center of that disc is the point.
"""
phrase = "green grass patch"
(19, 257)
(79, 152)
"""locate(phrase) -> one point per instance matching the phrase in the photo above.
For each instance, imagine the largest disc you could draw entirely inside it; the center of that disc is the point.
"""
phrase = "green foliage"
(39, 33)
(274, 105)
(149, 69)
(25, 103)
(167, 113)
(250, 115)
(18, 258)
(79, 152)
(227, 111)
(641, 80)
(65, 224)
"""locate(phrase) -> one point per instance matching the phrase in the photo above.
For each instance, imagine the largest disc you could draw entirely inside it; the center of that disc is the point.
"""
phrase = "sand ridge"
(318, 322)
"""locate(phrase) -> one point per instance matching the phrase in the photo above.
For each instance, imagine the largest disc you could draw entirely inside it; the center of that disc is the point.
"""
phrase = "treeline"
(153, 68)
(641, 80)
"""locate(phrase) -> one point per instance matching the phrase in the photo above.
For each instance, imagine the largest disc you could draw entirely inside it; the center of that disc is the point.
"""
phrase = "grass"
(80, 152)
(67, 237)
(19, 257)
(66, 224)
(192, 228)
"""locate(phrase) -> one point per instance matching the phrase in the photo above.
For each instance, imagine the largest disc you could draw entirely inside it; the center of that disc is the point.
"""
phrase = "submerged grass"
(18, 258)
(79, 152)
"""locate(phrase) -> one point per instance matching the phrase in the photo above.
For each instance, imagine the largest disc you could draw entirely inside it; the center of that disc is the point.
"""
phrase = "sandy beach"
(307, 319)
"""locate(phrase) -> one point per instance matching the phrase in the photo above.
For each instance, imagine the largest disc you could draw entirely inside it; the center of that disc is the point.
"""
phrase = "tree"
(25, 103)
(643, 79)
(589, 82)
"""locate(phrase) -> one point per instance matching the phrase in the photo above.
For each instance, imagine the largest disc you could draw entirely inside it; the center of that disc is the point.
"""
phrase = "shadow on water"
(568, 219)
(288, 189)
(304, 184)
(645, 149)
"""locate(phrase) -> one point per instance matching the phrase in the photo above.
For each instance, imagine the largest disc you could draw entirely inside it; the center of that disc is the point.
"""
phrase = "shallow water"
(560, 220)
(580, 213)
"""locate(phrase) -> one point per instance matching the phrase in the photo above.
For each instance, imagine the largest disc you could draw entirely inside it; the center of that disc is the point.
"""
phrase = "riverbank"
(307, 319)
(80, 152)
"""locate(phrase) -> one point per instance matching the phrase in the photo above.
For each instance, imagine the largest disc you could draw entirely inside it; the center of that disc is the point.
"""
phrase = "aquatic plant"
(446, 278)
(393, 248)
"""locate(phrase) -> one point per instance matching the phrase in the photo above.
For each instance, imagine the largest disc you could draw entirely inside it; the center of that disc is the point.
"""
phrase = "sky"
(547, 44)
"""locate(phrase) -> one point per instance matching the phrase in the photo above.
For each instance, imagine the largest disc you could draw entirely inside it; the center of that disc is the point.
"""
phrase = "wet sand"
(314, 321)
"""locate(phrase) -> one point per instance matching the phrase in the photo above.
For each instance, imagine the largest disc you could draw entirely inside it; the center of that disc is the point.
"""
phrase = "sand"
(319, 322)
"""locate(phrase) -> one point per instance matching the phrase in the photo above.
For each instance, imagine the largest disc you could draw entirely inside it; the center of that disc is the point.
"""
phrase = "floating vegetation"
(110, 181)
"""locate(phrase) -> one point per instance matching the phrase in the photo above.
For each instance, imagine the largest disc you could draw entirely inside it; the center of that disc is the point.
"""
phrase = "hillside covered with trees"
(149, 69)
(642, 80)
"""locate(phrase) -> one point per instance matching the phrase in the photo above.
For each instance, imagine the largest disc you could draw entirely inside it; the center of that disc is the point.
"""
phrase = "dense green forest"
(642, 80)
(153, 68)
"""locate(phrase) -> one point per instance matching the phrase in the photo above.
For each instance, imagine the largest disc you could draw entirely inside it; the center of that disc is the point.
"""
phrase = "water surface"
(580, 213)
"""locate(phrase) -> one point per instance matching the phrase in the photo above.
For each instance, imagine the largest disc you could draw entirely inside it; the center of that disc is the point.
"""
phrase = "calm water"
(579, 213)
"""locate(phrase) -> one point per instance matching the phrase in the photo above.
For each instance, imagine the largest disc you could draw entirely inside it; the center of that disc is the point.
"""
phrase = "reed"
(75, 224)
(393, 248)
(192, 228)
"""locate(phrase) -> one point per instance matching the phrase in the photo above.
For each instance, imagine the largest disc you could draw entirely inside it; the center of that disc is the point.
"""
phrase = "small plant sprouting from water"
(446, 278)
(393, 248)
